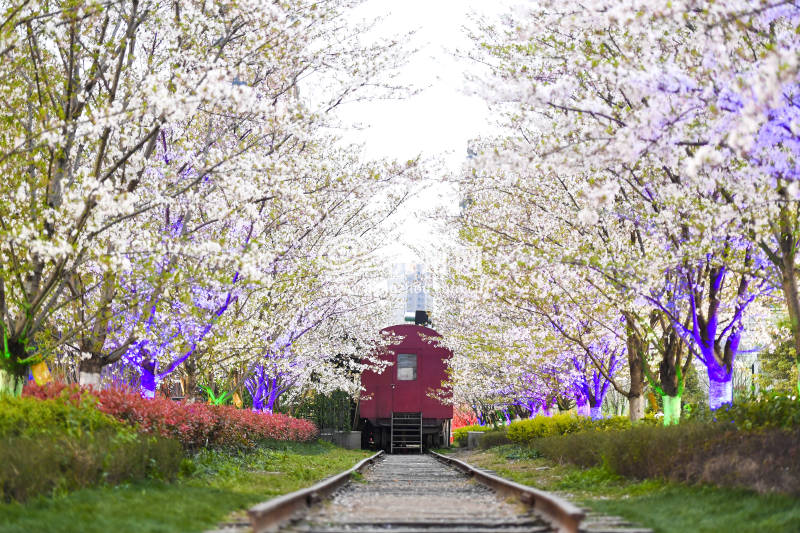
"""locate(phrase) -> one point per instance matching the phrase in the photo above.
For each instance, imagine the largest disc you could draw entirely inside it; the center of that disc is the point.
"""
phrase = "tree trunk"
(719, 393)
(596, 412)
(672, 374)
(10, 384)
(89, 371)
(636, 407)
(13, 374)
(670, 362)
(672, 409)
(148, 382)
(790, 295)
(635, 357)
(190, 381)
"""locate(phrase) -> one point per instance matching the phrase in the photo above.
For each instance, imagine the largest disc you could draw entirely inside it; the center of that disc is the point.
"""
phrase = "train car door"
(384, 393)
(408, 391)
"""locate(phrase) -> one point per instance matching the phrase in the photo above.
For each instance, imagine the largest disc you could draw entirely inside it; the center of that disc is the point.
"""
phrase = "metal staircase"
(406, 432)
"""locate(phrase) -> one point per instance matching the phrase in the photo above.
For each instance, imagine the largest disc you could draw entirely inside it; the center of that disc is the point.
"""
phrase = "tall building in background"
(412, 283)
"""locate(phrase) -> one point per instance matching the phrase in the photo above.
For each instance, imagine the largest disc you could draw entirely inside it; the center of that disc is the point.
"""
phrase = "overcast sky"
(442, 117)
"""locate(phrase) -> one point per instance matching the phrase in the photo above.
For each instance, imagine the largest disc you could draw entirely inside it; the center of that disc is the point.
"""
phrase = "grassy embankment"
(212, 485)
(666, 507)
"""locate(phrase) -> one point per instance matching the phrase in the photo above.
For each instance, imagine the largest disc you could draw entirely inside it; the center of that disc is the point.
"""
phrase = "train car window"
(406, 367)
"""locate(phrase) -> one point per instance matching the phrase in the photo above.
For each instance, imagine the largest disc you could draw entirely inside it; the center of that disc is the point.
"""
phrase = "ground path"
(416, 493)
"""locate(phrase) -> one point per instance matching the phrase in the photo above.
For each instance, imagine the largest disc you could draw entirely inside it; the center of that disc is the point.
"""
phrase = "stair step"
(406, 431)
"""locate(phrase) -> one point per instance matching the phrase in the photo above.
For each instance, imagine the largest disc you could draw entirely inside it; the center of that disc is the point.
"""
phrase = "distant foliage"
(333, 410)
(524, 431)
(194, 425)
(460, 434)
(778, 370)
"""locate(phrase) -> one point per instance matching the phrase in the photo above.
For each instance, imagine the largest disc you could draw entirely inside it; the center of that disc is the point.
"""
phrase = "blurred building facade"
(412, 285)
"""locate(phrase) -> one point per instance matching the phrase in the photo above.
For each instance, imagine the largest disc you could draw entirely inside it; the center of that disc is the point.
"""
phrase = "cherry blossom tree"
(130, 119)
(607, 108)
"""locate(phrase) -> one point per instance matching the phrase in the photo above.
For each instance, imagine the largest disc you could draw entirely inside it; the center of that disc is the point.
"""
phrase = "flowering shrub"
(193, 424)
(460, 434)
(524, 431)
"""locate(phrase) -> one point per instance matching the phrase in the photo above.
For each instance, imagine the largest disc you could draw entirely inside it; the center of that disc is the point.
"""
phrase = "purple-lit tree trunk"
(147, 353)
(273, 376)
(591, 385)
(255, 386)
(530, 407)
(634, 347)
(582, 405)
(265, 388)
(532, 388)
(716, 356)
(715, 344)
(144, 355)
(776, 158)
(533, 406)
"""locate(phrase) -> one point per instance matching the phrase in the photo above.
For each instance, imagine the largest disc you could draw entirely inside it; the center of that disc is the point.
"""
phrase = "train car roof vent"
(421, 318)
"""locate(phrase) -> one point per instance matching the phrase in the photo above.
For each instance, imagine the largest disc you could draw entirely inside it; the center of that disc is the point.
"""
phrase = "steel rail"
(270, 515)
(561, 514)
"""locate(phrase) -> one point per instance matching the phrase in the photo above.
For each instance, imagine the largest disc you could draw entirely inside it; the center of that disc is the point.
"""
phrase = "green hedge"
(752, 444)
(770, 411)
(460, 434)
(496, 437)
(525, 431)
(694, 452)
(52, 446)
(31, 416)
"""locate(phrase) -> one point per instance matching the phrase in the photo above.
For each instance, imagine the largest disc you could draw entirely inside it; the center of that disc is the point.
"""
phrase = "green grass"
(212, 486)
(446, 451)
(665, 507)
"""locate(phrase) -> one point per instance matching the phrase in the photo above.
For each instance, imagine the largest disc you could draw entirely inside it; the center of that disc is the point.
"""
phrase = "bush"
(72, 415)
(525, 431)
(578, 448)
(194, 425)
(694, 452)
(460, 434)
(54, 445)
(770, 411)
(495, 437)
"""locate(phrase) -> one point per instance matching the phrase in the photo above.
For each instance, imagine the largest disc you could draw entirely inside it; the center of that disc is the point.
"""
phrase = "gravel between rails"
(416, 494)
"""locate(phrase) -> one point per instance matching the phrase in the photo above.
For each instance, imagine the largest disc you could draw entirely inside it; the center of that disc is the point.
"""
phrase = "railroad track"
(426, 494)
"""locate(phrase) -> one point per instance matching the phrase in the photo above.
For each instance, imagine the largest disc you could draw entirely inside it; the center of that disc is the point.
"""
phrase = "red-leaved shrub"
(463, 417)
(194, 424)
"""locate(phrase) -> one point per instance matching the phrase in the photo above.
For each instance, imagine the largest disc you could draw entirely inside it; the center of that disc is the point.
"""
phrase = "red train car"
(396, 410)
